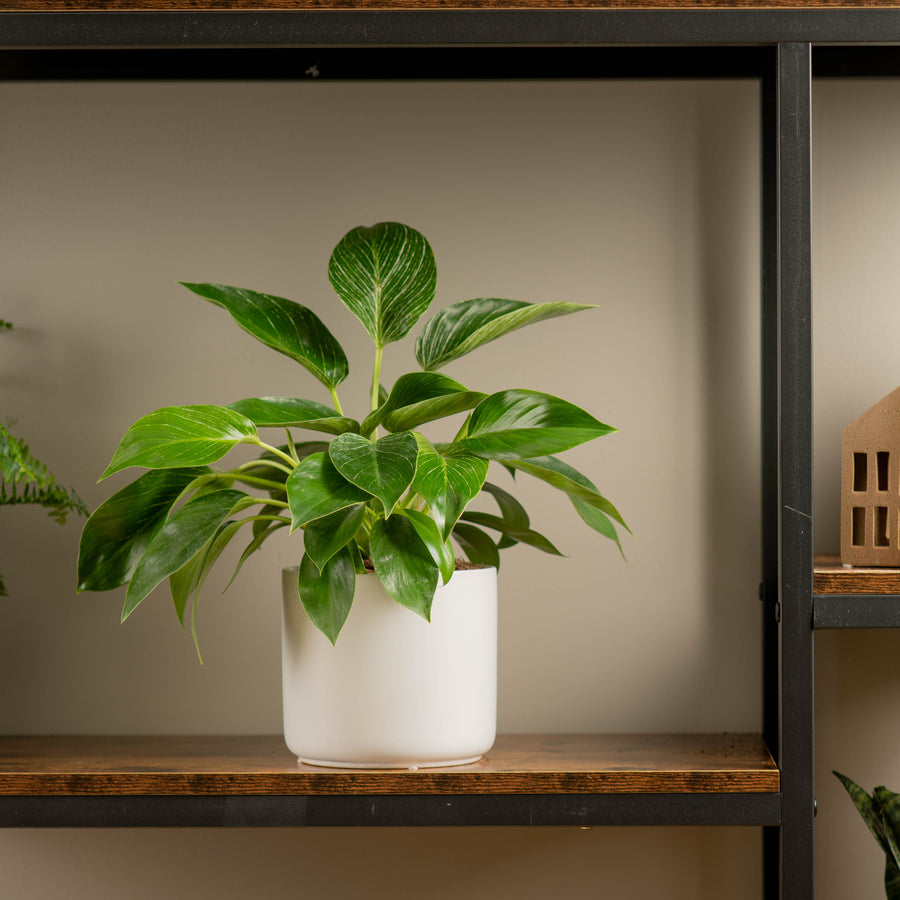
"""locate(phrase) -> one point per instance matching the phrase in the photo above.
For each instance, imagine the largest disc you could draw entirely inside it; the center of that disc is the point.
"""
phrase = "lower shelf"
(854, 597)
(526, 780)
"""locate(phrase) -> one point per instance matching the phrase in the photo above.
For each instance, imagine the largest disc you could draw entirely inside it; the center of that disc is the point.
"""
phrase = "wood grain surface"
(262, 5)
(830, 577)
(518, 764)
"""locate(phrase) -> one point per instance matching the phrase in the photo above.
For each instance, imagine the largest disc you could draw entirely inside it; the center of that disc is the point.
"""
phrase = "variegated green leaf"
(404, 564)
(386, 276)
(448, 481)
(184, 534)
(179, 436)
(519, 424)
(315, 488)
(327, 596)
(116, 536)
(383, 468)
(286, 412)
(460, 328)
(284, 326)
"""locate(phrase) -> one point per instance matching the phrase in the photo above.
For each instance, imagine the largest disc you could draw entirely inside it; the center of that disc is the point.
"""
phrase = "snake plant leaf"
(315, 489)
(404, 564)
(383, 468)
(568, 479)
(868, 809)
(439, 548)
(284, 326)
(183, 535)
(460, 328)
(518, 424)
(386, 276)
(322, 538)
(117, 534)
(448, 481)
(511, 531)
(327, 596)
(179, 436)
(889, 803)
(478, 546)
(286, 412)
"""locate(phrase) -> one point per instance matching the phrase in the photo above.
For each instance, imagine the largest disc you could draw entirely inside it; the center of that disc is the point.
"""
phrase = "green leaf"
(286, 412)
(190, 577)
(448, 481)
(183, 535)
(439, 548)
(322, 538)
(259, 537)
(511, 530)
(889, 803)
(564, 477)
(386, 276)
(327, 596)
(284, 326)
(404, 564)
(460, 328)
(116, 536)
(478, 546)
(179, 436)
(510, 508)
(519, 424)
(383, 468)
(315, 488)
(868, 808)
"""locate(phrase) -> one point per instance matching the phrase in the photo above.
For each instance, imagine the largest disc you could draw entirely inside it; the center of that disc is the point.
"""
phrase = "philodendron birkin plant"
(373, 491)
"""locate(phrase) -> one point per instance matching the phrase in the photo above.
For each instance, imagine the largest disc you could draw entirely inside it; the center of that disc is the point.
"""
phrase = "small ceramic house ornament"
(870, 486)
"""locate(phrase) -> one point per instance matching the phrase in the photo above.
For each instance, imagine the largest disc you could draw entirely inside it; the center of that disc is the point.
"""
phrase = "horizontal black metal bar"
(444, 27)
(856, 611)
(330, 63)
(855, 62)
(393, 810)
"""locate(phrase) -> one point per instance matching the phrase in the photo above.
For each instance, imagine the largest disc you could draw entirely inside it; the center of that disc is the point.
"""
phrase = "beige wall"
(642, 198)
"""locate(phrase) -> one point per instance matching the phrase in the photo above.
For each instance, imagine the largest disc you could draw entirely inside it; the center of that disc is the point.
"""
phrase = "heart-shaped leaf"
(383, 468)
(460, 328)
(386, 276)
(183, 535)
(519, 424)
(286, 412)
(322, 538)
(448, 481)
(179, 436)
(327, 596)
(404, 564)
(284, 326)
(116, 536)
(315, 488)
(439, 548)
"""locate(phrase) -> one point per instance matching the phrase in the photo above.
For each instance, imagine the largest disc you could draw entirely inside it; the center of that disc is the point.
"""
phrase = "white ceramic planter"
(395, 691)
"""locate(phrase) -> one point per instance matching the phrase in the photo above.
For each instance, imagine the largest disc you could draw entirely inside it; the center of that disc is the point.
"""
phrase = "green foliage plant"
(26, 480)
(371, 492)
(881, 813)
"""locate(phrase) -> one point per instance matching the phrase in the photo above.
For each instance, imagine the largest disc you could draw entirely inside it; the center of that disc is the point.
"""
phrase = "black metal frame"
(774, 46)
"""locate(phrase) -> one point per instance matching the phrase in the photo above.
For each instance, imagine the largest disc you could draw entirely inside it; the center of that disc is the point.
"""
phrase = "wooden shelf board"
(518, 764)
(830, 577)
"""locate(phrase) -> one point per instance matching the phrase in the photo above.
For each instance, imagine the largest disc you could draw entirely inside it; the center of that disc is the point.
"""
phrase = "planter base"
(431, 764)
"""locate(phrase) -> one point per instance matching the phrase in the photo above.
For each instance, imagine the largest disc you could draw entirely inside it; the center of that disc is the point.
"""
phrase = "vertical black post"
(769, 132)
(795, 745)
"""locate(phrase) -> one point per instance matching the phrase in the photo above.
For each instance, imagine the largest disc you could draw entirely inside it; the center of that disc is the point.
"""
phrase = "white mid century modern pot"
(395, 691)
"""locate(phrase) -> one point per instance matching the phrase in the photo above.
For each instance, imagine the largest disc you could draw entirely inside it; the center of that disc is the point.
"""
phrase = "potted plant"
(881, 812)
(26, 480)
(378, 503)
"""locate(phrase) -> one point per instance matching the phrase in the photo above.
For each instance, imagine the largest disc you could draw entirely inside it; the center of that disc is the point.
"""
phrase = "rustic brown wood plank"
(530, 764)
(830, 577)
(262, 5)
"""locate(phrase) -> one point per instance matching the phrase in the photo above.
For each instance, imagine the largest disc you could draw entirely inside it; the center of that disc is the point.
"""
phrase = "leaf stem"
(376, 376)
(280, 454)
(335, 400)
(291, 448)
(255, 482)
(263, 464)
